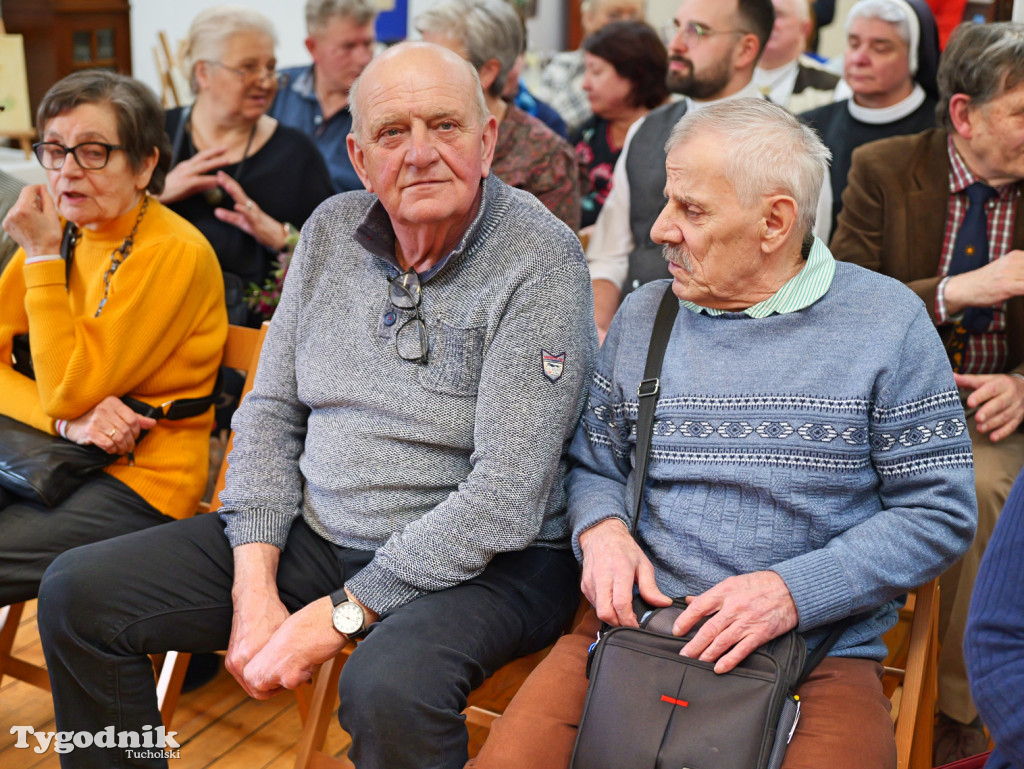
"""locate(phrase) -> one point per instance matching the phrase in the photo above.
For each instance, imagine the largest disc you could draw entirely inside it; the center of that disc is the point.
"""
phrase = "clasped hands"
(271, 650)
(743, 612)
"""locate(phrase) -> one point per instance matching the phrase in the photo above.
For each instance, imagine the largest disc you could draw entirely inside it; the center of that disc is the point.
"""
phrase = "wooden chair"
(911, 678)
(241, 351)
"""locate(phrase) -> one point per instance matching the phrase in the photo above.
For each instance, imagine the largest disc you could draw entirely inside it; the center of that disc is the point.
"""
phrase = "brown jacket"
(894, 219)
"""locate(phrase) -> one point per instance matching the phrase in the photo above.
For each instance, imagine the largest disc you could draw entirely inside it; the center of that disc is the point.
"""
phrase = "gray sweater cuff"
(380, 590)
(819, 588)
(258, 525)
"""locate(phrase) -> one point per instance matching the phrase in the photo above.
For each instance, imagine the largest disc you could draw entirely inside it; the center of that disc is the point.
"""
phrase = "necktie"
(970, 250)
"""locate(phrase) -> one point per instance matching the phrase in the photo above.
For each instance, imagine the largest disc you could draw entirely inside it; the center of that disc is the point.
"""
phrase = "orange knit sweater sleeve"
(20, 397)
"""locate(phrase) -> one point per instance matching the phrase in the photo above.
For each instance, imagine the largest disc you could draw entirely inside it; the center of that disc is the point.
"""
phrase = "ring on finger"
(112, 433)
(248, 205)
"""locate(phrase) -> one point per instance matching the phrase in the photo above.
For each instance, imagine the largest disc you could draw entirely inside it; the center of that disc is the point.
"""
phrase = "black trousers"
(103, 607)
(32, 535)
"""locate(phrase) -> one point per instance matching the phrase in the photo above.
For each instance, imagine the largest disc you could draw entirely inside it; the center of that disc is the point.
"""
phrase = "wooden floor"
(218, 725)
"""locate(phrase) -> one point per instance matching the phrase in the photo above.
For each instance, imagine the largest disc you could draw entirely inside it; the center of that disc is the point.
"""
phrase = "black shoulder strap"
(647, 396)
(183, 408)
(67, 249)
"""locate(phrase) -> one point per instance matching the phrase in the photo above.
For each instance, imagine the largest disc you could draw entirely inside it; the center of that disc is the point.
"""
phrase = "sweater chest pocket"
(455, 360)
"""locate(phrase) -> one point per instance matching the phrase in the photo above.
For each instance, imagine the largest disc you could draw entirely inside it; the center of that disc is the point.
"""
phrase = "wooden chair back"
(242, 352)
(911, 676)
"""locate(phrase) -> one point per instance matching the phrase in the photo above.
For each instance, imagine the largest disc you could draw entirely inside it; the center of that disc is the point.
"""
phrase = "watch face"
(348, 617)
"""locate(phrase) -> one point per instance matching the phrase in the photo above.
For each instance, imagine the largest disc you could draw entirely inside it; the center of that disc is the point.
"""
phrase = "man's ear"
(960, 110)
(778, 224)
(311, 46)
(488, 141)
(489, 72)
(358, 158)
(746, 51)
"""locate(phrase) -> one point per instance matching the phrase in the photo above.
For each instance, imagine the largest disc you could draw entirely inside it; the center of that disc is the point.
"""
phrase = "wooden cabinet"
(64, 36)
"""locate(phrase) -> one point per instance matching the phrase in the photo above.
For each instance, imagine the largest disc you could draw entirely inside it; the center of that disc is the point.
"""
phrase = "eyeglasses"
(693, 32)
(92, 156)
(406, 293)
(251, 74)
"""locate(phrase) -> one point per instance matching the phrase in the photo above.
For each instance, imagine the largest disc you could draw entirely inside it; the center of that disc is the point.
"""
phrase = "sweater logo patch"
(553, 365)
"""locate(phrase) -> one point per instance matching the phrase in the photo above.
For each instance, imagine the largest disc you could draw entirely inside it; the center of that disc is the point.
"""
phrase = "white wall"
(148, 17)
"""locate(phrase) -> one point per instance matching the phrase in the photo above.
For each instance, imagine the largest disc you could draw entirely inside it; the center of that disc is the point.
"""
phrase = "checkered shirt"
(985, 352)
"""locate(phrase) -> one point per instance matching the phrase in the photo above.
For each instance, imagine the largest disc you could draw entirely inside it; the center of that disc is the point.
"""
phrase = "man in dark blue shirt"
(315, 98)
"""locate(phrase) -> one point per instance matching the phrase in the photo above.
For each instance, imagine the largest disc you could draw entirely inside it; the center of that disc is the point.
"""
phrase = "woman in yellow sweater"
(138, 310)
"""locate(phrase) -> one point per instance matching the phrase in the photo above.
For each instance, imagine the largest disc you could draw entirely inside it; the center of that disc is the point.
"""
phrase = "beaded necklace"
(117, 256)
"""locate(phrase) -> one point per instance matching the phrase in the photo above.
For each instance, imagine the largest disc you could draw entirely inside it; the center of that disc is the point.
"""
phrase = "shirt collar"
(960, 176)
(749, 91)
(376, 234)
(304, 85)
(799, 292)
(884, 115)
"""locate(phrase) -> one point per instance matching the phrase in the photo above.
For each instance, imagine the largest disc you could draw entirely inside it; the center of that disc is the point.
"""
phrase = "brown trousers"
(996, 466)
(844, 719)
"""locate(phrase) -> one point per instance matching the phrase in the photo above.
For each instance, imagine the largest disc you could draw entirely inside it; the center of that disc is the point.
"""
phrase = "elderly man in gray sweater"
(398, 470)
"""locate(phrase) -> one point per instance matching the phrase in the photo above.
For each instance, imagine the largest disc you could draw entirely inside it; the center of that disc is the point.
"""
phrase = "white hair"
(487, 29)
(211, 29)
(770, 151)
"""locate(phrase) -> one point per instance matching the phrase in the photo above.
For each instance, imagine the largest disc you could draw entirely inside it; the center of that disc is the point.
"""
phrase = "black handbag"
(648, 706)
(45, 468)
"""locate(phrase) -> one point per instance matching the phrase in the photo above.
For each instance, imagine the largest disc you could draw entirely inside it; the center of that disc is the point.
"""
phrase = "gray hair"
(320, 12)
(211, 29)
(355, 108)
(770, 151)
(487, 29)
(900, 14)
(981, 61)
(139, 116)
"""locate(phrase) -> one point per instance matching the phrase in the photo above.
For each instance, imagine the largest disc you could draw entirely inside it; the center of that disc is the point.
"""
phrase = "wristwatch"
(348, 616)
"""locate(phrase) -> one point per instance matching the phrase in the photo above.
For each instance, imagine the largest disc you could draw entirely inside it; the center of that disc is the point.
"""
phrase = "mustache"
(678, 255)
(681, 59)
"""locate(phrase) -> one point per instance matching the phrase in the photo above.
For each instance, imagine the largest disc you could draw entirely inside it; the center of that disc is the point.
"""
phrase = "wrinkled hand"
(110, 425)
(999, 400)
(33, 221)
(248, 216)
(258, 610)
(194, 175)
(987, 286)
(748, 610)
(297, 649)
(612, 564)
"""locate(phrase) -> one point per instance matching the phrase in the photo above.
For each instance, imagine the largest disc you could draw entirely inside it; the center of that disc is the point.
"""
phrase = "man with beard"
(713, 47)
(806, 420)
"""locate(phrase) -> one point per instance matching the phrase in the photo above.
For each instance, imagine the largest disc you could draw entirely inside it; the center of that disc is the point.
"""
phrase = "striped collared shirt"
(986, 352)
(802, 290)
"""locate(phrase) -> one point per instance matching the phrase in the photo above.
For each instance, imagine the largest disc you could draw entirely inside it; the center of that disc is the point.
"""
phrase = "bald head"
(398, 64)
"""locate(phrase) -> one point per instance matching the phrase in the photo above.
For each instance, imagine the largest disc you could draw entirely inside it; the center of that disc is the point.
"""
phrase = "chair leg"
(10, 618)
(321, 708)
(168, 686)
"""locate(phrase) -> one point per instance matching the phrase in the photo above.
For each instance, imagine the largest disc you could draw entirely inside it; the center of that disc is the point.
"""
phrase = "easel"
(26, 136)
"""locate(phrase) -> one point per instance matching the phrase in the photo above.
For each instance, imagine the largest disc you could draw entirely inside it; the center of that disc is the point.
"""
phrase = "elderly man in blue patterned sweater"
(810, 459)
(398, 466)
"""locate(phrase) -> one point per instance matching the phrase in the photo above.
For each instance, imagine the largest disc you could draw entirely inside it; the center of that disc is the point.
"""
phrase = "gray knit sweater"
(436, 467)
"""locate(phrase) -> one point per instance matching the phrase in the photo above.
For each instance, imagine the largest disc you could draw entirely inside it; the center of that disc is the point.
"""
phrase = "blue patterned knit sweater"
(827, 445)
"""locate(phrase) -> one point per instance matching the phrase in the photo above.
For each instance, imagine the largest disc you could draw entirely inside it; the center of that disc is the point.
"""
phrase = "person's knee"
(387, 689)
(66, 588)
